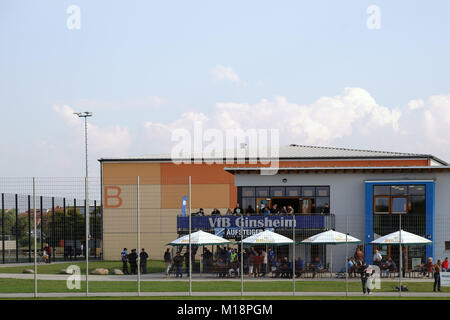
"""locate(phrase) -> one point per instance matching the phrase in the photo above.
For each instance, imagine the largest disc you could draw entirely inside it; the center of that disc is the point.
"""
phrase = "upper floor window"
(399, 199)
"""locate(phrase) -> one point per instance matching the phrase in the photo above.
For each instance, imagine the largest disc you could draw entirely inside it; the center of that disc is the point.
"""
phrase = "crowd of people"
(225, 262)
(264, 210)
(132, 259)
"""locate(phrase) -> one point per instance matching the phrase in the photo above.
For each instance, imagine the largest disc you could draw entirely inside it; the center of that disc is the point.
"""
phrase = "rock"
(100, 271)
(64, 271)
(28, 271)
(117, 271)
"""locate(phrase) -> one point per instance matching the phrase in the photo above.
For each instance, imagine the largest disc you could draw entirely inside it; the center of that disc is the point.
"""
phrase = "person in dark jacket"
(132, 258)
(168, 261)
(143, 256)
(366, 271)
(124, 255)
(178, 262)
(186, 261)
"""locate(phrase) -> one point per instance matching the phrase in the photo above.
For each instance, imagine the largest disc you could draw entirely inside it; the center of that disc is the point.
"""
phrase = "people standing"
(186, 261)
(263, 262)
(48, 253)
(377, 258)
(237, 210)
(437, 275)
(445, 265)
(167, 261)
(132, 258)
(178, 262)
(256, 263)
(143, 256)
(250, 259)
(124, 255)
(366, 272)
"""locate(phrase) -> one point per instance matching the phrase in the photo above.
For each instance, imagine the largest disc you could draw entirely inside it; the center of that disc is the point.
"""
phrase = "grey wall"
(347, 198)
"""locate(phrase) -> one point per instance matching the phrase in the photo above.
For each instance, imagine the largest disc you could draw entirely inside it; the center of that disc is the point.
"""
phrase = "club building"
(328, 188)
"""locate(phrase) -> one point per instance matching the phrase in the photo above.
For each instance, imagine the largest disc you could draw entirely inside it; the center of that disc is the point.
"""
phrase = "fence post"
(242, 253)
(293, 254)
(138, 238)
(3, 228)
(17, 228)
(86, 244)
(190, 247)
(52, 238)
(29, 228)
(94, 229)
(346, 256)
(64, 229)
(35, 237)
(400, 270)
(74, 230)
(42, 224)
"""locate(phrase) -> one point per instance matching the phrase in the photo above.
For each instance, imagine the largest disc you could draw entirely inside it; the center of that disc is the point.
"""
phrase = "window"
(323, 191)
(293, 191)
(398, 205)
(417, 190)
(447, 245)
(416, 205)
(320, 205)
(399, 190)
(381, 205)
(381, 190)
(248, 202)
(277, 191)
(262, 192)
(308, 191)
(248, 192)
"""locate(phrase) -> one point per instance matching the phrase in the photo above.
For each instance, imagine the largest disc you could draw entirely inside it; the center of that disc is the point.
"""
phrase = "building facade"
(364, 192)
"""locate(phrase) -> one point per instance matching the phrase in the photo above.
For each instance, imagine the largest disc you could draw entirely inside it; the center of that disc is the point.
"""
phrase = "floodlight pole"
(190, 246)
(85, 115)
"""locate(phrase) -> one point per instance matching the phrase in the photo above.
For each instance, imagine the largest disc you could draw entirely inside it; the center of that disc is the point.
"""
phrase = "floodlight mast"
(85, 115)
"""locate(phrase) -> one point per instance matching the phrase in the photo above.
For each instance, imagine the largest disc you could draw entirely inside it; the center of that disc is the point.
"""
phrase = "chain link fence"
(132, 222)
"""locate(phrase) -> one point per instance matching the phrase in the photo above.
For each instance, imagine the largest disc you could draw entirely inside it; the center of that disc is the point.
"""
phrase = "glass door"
(262, 203)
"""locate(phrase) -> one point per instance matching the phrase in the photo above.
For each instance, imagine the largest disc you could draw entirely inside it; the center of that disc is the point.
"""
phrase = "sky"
(350, 73)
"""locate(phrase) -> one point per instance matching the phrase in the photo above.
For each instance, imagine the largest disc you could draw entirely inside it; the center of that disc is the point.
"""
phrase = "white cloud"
(220, 72)
(351, 119)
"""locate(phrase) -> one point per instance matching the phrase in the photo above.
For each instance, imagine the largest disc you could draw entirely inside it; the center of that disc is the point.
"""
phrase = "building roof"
(295, 152)
(403, 169)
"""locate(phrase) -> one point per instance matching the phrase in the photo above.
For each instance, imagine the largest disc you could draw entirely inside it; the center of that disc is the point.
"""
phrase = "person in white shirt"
(263, 262)
(377, 258)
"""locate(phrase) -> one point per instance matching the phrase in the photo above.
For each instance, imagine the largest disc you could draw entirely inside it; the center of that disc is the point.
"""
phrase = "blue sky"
(137, 64)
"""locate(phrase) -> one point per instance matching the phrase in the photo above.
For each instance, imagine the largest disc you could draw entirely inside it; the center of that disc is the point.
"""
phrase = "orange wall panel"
(126, 173)
(171, 195)
(200, 174)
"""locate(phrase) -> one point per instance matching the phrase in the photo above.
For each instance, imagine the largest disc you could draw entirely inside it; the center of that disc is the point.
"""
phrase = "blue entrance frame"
(429, 213)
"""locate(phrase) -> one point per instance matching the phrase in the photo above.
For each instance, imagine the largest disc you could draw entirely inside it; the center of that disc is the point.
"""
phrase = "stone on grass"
(117, 271)
(101, 271)
(65, 271)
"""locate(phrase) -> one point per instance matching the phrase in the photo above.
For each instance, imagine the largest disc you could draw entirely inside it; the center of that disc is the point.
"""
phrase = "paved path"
(225, 294)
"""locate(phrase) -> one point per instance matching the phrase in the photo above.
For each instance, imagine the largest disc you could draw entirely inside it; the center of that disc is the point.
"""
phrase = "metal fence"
(60, 219)
(143, 215)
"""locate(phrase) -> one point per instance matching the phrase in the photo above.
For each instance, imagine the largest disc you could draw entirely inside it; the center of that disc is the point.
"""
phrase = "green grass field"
(54, 268)
(270, 298)
(27, 285)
